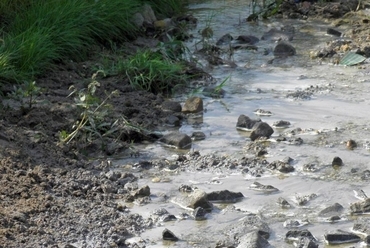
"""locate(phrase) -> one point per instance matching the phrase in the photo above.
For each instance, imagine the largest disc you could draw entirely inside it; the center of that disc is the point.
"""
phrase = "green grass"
(152, 71)
(45, 31)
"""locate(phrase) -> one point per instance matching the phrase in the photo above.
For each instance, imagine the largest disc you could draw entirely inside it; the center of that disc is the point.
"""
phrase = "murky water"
(341, 104)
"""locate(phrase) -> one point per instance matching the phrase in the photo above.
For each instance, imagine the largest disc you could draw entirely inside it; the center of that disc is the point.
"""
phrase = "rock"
(247, 39)
(283, 203)
(160, 211)
(337, 161)
(198, 136)
(278, 35)
(199, 214)
(334, 32)
(351, 144)
(262, 112)
(224, 196)
(295, 223)
(197, 198)
(281, 124)
(141, 192)
(178, 140)
(224, 40)
(303, 200)
(341, 237)
(253, 240)
(167, 217)
(245, 123)
(193, 105)
(332, 210)
(361, 227)
(261, 129)
(173, 121)
(264, 188)
(283, 49)
(296, 235)
(185, 188)
(168, 235)
(113, 175)
(361, 207)
(281, 166)
(171, 106)
(138, 20)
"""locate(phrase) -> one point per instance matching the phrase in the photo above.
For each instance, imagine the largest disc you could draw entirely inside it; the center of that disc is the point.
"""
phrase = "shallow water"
(336, 113)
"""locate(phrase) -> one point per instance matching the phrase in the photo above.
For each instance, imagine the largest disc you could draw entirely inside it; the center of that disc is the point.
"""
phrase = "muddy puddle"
(334, 113)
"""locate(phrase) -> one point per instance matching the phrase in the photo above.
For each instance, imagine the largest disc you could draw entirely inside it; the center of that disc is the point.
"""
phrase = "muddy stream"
(337, 111)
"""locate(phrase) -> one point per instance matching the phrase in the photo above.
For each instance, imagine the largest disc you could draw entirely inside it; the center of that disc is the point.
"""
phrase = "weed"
(92, 124)
(152, 71)
(26, 94)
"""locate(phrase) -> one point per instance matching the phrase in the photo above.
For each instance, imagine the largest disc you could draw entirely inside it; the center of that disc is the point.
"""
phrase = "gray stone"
(193, 105)
(141, 192)
(341, 237)
(197, 198)
(168, 235)
(171, 106)
(261, 129)
(361, 207)
(224, 40)
(332, 210)
(244, 122)
(138, 19)
(113, 175)
(283, 49)
(172, 121)
(224, 196)
(178, 140)
(295, 235)
(263, 188)
(253, 240)
(199, 214)
(198, 136)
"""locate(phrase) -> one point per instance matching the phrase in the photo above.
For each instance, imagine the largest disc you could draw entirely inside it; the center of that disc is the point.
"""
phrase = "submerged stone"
(178, 140)
(341, 237)
(283, 49)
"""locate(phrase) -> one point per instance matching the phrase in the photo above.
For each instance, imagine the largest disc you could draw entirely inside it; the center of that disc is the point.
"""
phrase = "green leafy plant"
(152, 71)
(26, 94)
(93, 122)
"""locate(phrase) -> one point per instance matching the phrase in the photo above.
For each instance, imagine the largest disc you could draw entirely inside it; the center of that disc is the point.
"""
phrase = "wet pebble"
(264, 188)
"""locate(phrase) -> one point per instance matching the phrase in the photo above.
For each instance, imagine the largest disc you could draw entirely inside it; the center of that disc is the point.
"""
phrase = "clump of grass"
(152, 71)
(47, 31)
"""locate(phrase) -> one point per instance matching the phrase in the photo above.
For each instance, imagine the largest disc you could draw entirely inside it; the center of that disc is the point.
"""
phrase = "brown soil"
(51, 194)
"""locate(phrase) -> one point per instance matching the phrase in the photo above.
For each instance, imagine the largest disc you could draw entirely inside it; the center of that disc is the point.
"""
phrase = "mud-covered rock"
(196, 198)
(193, 105)
(224, 196)
(253, 240)
(178, 140)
